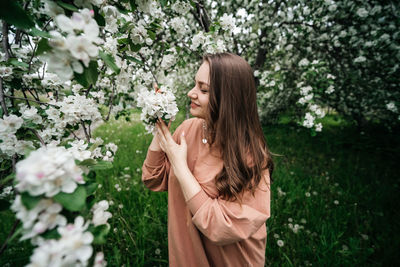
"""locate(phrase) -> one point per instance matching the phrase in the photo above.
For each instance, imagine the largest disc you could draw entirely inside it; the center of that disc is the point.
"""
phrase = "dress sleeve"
(225, 222)
(155, 171)
(156, 167)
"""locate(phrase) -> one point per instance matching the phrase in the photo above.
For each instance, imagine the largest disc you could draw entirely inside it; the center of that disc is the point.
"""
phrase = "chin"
(196, 114)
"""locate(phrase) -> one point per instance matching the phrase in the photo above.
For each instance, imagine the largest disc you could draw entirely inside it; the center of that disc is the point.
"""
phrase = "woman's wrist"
(189, 185)
(155, 144)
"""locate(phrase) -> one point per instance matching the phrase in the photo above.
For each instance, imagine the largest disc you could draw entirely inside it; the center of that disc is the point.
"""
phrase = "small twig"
(26, 99)
(14, 227)
(6, 45)
(71, 132)
(85, 131)
(43, 71)
(2, 99)
(144, 60)
(88, 90)
(14, 161)
(38, 136)
(110, 103)
(31, 100)
(29, 90)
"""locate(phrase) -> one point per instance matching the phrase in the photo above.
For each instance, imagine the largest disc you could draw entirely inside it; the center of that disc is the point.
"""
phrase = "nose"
(192, 94)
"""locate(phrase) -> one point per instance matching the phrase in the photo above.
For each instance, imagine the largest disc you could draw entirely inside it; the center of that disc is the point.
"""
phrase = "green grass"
(357, 170)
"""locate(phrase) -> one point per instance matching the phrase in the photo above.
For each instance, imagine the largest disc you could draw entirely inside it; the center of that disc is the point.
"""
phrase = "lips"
(193, 105)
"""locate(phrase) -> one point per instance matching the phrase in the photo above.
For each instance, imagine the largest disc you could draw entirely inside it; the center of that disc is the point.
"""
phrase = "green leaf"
(10, 177)
(91, 188)
(15, 62)
(37, 32)
(14, 14)
(101, 165)
(81, 79)
(133, 5)
(4, 204)
(89, 75)
(134, 59)
(99, 18)
(109, 60)
(127, 26)
(43, 46)
(163, 3)
(52, 234)
(87, 162)
(155, 25)
(135, 47)
(74, 201)
(123, 41)
(29, 201)
(67, 6)
(151, 34)
(99, 233)
(92, 73)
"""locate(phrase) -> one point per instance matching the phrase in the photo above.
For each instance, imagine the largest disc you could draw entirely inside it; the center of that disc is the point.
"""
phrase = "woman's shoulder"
(192, 124)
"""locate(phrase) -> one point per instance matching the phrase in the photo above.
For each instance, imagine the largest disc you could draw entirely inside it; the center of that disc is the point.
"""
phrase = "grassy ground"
(339, 189)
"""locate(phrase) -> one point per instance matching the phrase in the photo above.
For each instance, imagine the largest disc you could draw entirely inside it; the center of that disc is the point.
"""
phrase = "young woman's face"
(199, 94)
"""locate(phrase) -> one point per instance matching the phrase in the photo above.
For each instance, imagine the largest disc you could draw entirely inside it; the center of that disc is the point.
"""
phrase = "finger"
(162, 141)
(161, 124)
(164, 128)
(166, 132)
(155, 85)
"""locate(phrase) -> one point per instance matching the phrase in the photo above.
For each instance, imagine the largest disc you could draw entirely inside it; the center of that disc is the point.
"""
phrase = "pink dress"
(207, 230)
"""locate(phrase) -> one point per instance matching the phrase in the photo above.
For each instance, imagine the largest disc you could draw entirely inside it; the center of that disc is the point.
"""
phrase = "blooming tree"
(66, 66)
(344, 54)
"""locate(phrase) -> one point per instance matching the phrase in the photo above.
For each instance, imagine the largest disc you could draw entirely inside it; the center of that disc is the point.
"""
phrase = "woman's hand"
(177, 154)
(155, 144)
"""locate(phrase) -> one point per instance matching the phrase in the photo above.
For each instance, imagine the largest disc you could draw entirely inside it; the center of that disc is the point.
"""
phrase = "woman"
(216, 168)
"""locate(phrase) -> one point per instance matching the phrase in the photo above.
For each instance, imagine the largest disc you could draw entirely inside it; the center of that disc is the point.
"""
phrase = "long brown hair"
(233, 125)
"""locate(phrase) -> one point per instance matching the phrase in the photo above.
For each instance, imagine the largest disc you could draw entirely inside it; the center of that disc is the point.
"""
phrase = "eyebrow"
(200, 82)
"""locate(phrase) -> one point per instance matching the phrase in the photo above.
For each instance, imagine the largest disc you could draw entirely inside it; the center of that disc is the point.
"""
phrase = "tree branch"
(6, 45)
(38, 136)
(31, 100)
(2, 99)
(201, 16)
(85, 131)
(110, 103)
(14, 227)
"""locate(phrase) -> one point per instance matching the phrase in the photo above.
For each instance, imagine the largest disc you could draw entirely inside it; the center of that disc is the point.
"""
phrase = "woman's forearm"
(189, 185)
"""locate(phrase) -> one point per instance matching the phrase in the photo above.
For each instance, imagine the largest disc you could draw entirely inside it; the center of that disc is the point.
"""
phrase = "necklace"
(204, 140)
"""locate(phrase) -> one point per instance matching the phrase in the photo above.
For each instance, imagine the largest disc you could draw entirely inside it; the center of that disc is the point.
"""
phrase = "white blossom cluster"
(10, 144)
(181, 7)
(48, 171)
(77, 108)
(6, 192)
(227, 22)
(156, 105)
(139, 33)
(72, 249)
(44, 216)
(76, 46)
(179, 24)
(306, 92)
(208, 43)
(81, 151)
(392, 107)
(100, 213)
